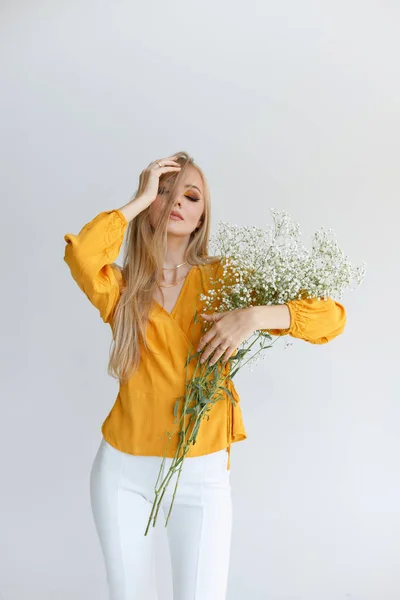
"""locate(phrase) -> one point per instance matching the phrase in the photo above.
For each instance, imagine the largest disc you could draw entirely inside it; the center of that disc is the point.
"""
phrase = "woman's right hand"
(148, 186)
(149, 180)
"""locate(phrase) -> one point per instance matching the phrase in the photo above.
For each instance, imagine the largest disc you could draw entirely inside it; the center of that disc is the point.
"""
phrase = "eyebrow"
(192, 186)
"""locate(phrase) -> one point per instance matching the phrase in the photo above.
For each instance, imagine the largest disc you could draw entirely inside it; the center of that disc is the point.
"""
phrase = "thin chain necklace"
(170, 269)
(176, 266)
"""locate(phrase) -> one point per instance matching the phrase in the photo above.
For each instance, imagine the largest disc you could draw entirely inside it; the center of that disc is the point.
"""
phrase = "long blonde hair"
(142, 268)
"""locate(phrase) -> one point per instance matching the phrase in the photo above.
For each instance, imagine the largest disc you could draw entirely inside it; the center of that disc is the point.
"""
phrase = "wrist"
(143, 200)
(259, 317)
(134, 207)
(271, 316)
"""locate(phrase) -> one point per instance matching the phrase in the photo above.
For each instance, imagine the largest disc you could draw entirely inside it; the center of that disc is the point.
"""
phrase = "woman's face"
(188, 202)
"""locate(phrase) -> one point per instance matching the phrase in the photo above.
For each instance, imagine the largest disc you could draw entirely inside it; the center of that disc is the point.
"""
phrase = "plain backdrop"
(291, 105)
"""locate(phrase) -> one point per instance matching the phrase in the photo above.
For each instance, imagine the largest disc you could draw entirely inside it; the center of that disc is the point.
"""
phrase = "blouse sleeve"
(90, 255)
(312, 320)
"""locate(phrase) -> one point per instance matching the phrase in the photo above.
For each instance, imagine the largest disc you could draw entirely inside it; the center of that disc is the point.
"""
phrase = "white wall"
(292, 105)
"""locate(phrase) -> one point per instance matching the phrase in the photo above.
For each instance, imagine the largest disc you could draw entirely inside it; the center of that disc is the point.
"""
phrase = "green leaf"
(265, 334)
(189, 358)
(226, 390)
(239, 354)
(176, 407)
(206, 400)
(195, 431)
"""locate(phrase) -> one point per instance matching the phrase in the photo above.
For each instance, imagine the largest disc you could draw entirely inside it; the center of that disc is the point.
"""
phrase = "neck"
(175, 254)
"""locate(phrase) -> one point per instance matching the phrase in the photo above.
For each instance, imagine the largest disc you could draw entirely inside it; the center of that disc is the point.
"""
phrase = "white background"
(291, 105)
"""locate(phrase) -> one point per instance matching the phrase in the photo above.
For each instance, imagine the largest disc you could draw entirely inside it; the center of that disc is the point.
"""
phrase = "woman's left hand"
(231, 328)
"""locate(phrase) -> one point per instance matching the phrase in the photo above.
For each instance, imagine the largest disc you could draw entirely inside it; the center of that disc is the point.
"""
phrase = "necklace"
(178, 282)
(170, 268)
(173, 284)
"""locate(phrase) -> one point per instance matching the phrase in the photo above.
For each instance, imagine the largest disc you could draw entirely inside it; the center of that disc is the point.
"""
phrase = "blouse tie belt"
(229, 436)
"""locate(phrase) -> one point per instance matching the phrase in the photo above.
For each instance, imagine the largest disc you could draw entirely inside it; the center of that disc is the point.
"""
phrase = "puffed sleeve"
(90, 255)
(312, 320)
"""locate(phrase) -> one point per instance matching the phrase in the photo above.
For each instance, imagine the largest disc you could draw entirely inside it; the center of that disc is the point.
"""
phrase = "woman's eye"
(193, 199)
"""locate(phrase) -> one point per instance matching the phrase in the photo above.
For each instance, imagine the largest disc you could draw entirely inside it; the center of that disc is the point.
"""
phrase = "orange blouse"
(143, 409)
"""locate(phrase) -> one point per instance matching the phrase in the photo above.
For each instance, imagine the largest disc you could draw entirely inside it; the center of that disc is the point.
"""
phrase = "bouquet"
(260, 266)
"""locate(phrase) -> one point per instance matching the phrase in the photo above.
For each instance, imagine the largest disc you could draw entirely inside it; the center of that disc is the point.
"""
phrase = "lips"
(174, 213)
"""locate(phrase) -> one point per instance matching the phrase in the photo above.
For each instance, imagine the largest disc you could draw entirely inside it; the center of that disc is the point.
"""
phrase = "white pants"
(198, 531)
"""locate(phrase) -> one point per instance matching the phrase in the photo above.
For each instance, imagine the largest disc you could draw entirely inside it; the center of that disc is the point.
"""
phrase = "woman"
(149, 304)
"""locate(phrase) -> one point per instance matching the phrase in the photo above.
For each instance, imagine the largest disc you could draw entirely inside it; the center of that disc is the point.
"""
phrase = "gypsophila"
(260, 266)
(270, 265)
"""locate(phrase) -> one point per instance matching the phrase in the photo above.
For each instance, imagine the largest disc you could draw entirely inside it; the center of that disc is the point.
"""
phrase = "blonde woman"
(149, 303)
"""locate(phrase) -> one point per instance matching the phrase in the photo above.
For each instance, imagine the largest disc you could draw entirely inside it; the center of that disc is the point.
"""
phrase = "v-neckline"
(171, 314)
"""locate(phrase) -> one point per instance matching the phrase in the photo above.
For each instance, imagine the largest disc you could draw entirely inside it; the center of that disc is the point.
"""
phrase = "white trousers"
(198, 531)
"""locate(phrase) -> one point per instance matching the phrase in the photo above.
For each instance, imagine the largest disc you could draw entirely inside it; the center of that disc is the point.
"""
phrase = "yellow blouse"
(143, 409)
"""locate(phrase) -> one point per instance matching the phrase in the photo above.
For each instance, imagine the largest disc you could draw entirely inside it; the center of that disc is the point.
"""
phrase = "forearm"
(134, 207)
(272, 316)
